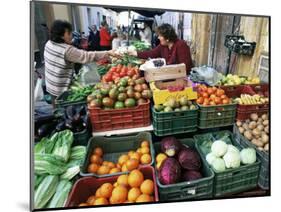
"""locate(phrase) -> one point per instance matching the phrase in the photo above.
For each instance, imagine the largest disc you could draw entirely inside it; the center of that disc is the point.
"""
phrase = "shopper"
(60, 56)
(172, 49)
(94, 39)
(146, 34)
(105, 38)
(116, 41)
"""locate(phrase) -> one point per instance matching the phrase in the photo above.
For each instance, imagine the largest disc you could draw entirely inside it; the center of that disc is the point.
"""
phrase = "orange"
(98, 194)
(130, 153)
(136, 155)
(96, 159)
(160, 157)
(145, 150)
(133, 194)
(119, 194)
(152, 198)
(145, 144)
(104, 163)
(91, 200)
(98, 151)
(132, 164)
(111, 201)
(145, 159)
(115, 184)
(93, 168)
(122, 159)
(106, 190)
(111, 165)
(135, 178)
(147, 187)
(143, 198)
(114, 170)
(101, 201)
(83, 204)
(139, 150)
(123, 180)
(127, 202)
(124, 168)
(103, 170)
(118, 166)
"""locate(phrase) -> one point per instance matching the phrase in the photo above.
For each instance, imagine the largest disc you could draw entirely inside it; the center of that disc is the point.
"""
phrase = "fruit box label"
(161, 96)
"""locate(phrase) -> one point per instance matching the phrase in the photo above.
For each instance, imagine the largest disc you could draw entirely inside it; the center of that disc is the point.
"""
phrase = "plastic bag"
(205, 74)
(38, 92)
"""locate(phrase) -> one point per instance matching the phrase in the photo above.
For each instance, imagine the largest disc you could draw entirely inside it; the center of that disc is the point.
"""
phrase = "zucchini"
(78, 153)
(48, 164)
(61, 195)
(45, 191)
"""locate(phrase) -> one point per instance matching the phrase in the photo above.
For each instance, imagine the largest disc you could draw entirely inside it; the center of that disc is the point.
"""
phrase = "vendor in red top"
(105, 37)
(172, 49)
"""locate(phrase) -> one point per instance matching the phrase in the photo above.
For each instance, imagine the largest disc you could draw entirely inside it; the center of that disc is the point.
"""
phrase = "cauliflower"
(232, 159)
(248, 156)
(219, 148)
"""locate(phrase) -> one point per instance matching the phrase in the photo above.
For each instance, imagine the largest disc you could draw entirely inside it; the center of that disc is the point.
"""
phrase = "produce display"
(140, 45)
(126, 162)
(173, 105)
(129, 188)
(223, 155)
(56, 163)
(177, 163)
(232, 79)
(211, 96)
(246, 99)
(125, 93)
(256, 130)
(78, 92)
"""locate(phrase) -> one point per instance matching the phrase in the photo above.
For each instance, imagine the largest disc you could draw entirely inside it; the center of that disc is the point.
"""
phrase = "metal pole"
(129, 14)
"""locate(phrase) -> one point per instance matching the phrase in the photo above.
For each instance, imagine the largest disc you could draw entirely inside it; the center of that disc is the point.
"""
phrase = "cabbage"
(210, 158)
(219, 148)
(218, 165)
(232, 159)
(191, 175)
(248, 156)
(231, 148)
(170, 146)
(189, 159)
(169, 172)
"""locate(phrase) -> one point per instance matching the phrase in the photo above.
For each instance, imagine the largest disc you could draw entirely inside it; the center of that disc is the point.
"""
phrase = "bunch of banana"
(246, 99)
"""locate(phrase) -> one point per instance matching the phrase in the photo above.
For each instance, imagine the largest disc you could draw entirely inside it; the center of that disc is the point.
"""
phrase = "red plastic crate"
(87, 186)
(244, 111)
(105, 120)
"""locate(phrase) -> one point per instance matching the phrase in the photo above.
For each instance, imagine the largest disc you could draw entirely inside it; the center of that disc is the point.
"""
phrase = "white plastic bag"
(38, 92)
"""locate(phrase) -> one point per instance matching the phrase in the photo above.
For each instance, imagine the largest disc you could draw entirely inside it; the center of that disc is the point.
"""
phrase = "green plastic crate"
(81, 138)
(61, 101)
(169, 123)
(230, 181)
(113, 147)
(197, 189)
(262, 155)
(216, 116)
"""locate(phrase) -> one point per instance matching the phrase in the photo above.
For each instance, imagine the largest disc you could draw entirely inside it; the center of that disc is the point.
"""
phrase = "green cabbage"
(231, 148)
(248, 156)
(210, 158)
(219, 148)
(232, 159)
(218, 165)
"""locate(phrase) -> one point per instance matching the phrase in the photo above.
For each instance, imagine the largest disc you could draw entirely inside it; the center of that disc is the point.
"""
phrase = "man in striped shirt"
(60, 57)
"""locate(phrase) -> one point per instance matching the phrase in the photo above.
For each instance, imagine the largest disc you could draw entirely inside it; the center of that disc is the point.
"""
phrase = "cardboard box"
(165, 72)
(161, 94)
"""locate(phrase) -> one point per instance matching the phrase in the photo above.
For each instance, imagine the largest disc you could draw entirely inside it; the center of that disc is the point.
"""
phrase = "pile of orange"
(129, 188)
(126, 162)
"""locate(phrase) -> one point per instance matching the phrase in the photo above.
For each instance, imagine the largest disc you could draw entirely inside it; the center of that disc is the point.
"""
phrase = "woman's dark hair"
(167, 31)
(58, 29)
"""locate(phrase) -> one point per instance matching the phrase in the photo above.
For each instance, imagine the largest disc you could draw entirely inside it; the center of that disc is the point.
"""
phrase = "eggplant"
(70, 112)
(45, 129)
(69, 124)
(61, 126)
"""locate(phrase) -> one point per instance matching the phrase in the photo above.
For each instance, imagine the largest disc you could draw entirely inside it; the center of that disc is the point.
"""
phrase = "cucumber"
(45, 191)
(61, 195)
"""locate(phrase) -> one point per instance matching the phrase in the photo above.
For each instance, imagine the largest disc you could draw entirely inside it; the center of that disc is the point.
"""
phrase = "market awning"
(146, 13)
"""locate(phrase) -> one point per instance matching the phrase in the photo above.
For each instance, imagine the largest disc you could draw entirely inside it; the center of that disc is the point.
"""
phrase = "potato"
(254, 117)
(259, 121)
(265, 123)
(264, 117)
(260, 127)
(257, 142)
(264, 138)
(245, 126)
(260, 148)
(256, 132)
(266, 129)
(247, 121)
(248, 135)
(266, 147)
(252, 125)
(241, 130)
(239, 123)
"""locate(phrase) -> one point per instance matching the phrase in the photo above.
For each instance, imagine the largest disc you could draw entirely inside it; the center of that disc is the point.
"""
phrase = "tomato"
(131, 72)
(217, 100)
(200, 100)
(213, 96)
(219, 92)
(115, 75)
(205, 95)
(212, 102)
(223, 96)
(108, 77)
(206, 102)
(225, 101)
(214, 89)
(210, 91)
